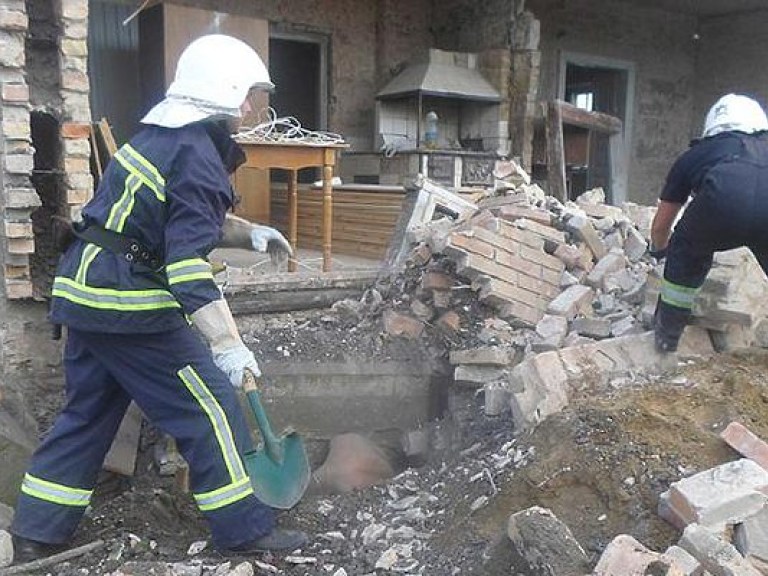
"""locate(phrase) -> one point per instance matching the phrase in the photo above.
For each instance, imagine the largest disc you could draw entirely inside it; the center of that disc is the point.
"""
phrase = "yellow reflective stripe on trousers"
(239, 481)
(55, 493)
(224, 496)
(142, 168)
(188, 270)
(677, 295)
(112, 299)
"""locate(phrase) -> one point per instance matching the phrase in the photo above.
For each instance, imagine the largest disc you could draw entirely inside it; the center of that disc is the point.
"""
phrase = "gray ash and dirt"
(600, 465)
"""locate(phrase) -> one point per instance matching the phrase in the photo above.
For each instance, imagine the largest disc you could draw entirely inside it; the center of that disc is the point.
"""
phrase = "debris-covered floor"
(599, 466)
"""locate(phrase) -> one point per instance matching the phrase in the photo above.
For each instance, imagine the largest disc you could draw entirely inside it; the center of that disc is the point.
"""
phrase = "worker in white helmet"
(125, 289)
(726, 174)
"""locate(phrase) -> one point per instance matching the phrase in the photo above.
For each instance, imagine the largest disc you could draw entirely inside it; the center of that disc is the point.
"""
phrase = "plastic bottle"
(430, 130)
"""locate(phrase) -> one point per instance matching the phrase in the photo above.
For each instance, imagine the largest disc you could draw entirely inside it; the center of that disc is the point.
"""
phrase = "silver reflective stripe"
(677, 295)
(224, 496)
(110, 299)
(189, 270)
(137, 164)
(55, 493)
(218, 420)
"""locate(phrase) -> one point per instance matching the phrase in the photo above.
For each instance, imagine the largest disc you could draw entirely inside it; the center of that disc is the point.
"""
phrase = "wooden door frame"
(620, 147)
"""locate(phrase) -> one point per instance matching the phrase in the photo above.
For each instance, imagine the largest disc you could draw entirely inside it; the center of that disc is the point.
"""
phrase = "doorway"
(297, 67)
(594, 159)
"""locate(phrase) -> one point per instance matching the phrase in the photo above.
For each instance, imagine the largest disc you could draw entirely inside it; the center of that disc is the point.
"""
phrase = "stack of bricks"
(76, 113)
(507, 265)
(19, 199)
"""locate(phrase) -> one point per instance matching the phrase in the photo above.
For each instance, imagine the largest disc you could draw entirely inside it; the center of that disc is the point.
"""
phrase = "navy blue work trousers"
(730, 211)
(172, 378)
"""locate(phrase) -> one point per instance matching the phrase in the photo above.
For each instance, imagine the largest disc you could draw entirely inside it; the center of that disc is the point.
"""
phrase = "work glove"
(233, 362)
(264, 238)
(231, 356)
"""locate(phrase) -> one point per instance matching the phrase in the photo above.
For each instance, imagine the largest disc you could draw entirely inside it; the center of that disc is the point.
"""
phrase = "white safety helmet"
(213, 77)
(734, 112)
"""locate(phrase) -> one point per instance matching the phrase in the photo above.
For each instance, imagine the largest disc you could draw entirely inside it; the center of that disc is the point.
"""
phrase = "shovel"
(279, 467)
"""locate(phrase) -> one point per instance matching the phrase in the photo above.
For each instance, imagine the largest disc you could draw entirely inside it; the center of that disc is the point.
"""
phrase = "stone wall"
(731, 58)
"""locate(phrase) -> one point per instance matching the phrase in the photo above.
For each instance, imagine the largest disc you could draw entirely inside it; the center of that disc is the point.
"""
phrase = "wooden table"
(293, 157)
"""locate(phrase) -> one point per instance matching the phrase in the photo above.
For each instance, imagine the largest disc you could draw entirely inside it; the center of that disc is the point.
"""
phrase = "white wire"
(285, 129)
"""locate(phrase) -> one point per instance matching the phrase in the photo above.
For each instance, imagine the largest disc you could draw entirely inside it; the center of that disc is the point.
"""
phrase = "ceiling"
(705, 7)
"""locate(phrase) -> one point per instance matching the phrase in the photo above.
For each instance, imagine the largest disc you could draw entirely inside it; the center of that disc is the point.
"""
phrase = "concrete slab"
(361, 395)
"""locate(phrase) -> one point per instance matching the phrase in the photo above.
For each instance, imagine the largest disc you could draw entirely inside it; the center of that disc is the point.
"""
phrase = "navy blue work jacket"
(169, 189)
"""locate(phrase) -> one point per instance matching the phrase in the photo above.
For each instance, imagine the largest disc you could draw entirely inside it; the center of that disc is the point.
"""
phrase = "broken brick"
(744, 441)
(450, 321)
(432, 280)
(397, 324)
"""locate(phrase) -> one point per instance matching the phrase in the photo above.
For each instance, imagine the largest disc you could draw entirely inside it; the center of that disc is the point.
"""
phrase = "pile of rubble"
(569, 291)
(721, 513)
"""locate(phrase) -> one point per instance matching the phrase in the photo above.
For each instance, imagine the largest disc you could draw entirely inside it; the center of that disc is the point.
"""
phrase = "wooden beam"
(555, 154)
(596, 121)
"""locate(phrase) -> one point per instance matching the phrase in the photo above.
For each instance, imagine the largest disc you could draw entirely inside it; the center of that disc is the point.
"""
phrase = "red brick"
(744, 441)
(450, 321)
(421, 254)
(510, 232)
(473, 265)
(512, 213)
(525, 314)
(432, 280)
(75, 130)
(18, 289)
(521, 265)
(470, 244)
(15, 92)
(498, 292)
(397, 324)
(541, 257)
(21, 246)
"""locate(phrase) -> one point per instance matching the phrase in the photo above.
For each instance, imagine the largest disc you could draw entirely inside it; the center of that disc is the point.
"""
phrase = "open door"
(164, 31)
(597, 159)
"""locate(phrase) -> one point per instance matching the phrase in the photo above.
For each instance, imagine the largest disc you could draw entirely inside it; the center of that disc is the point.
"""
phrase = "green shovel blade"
(280, 484)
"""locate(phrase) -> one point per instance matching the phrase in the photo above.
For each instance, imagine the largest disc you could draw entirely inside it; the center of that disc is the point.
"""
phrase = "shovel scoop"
(278, 468)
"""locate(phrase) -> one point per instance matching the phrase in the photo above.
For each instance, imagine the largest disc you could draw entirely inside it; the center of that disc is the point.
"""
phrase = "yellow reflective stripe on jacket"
(89, 254)
(188, 270)
(112, 299)
(224, 496)
(678, 295)
(56, 493)
(142, 168)
(122, 208)
(237, 488)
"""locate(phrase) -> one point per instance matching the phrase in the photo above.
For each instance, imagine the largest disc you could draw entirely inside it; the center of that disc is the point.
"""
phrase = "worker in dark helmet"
(725, 172)
(127, 289)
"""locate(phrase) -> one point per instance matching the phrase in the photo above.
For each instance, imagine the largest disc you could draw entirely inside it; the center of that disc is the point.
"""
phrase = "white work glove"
(233, 362)
(264, 238)
(231, 356)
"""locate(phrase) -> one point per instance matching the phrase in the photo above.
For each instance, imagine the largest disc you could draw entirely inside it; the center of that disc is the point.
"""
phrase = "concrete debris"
(573, 276)
(716, 555)
(625, 556)
(545, 545)
(6, 516)
(6, 549)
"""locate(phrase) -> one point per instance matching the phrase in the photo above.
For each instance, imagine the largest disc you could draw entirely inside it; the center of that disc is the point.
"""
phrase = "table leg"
(293, 219)
(327, 216)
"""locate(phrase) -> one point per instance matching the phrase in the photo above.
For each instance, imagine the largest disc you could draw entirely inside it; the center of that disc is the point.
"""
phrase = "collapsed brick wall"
(46, 125)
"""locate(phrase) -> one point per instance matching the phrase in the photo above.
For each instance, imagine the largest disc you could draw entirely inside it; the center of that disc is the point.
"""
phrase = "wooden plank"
(555, 155)
(597, 121)
(121, 457)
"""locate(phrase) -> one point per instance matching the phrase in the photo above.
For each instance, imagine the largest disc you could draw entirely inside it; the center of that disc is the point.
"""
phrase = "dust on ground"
(600, 466)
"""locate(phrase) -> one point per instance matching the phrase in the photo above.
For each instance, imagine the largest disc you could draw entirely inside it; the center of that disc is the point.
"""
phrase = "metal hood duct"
(444, 74)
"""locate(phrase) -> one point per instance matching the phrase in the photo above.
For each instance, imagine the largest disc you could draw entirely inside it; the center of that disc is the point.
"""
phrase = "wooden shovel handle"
(250, 382)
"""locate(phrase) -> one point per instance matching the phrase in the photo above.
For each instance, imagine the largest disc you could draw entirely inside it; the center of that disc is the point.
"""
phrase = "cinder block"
(716, 555)
(725, 494)
(746, 442)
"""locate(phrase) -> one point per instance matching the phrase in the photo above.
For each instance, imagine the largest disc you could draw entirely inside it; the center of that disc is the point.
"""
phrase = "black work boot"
(276, 541)
(668, 325)
(25, 550)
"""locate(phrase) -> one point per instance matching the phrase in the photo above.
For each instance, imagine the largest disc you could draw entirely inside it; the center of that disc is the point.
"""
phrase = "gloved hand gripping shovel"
(279, 467)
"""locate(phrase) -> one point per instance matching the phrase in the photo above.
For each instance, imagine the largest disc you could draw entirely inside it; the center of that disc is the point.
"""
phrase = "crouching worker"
(726, 172)
(124, 288)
